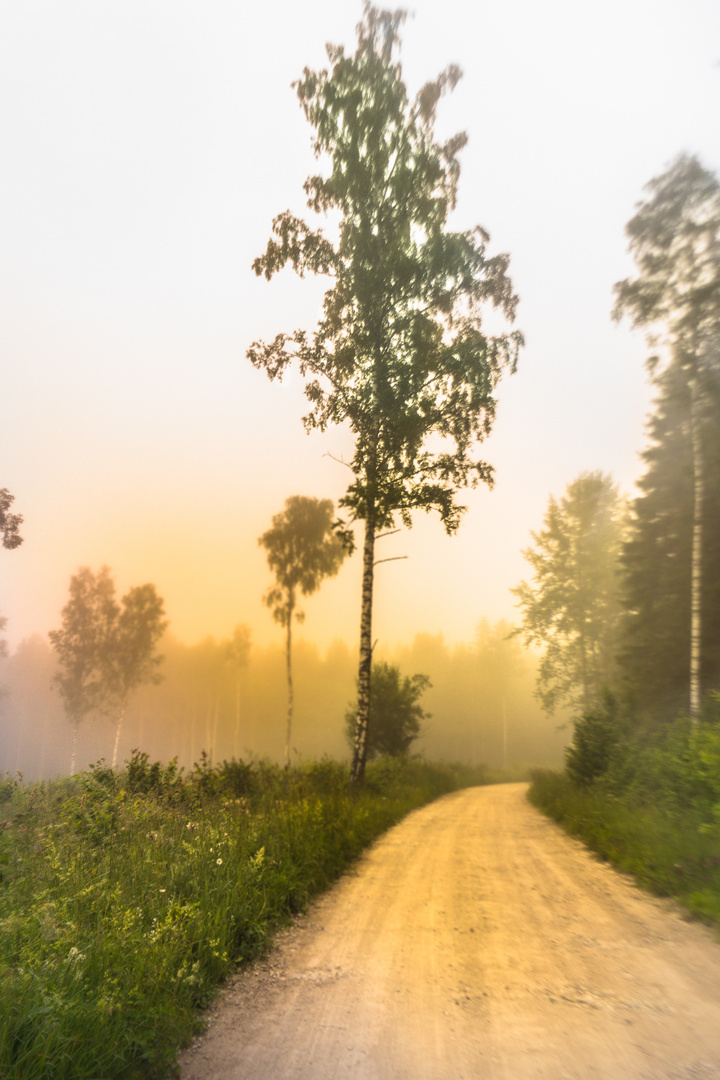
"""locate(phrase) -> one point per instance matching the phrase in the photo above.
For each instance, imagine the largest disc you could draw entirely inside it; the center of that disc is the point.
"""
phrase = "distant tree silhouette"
(302, 550)
(105, 650)
(400, 354)
(572, 607)
(11, 538)
(9, 523)
(130, 659)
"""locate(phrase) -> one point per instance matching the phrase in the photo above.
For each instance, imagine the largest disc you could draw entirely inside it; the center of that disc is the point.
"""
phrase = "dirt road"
(475, 940)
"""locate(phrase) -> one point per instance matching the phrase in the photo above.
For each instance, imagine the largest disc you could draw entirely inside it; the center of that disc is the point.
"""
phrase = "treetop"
(400, 351)
(674, 238)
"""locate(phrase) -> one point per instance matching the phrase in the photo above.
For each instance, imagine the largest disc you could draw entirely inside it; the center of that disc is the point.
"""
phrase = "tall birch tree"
(400, 354)
(302, 550)
(675, 240)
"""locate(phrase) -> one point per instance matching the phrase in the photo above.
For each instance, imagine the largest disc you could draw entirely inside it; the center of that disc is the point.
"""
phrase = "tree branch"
(341, 462)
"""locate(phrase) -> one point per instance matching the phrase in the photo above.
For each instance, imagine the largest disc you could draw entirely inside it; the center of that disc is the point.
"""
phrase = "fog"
(481, 703)
(149, 147)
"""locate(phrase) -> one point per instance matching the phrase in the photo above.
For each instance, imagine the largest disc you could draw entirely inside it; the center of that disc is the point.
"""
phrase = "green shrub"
(647, 798)
(596, 737)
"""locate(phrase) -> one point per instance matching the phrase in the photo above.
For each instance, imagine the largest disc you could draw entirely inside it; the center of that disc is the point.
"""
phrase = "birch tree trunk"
(237, 716)
(584, 669)
(696, 570)
(73, 752)
(360, 748)
(288, 664)
(118, 729)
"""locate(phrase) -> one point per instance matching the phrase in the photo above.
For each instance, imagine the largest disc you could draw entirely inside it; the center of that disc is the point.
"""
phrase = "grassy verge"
(126, 898)
(671, 846)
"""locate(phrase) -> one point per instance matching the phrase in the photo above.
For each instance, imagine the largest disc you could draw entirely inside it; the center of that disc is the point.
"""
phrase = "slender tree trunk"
(580, 586)
(73, 752)
(216, 720)
(696, 571)
(208, 729)
(118, 729)
(357, 773)
(237, 715)
(288, 664)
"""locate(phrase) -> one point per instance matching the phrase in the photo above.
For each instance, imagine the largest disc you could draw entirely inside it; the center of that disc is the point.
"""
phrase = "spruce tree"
(657, 558)
(675, 240)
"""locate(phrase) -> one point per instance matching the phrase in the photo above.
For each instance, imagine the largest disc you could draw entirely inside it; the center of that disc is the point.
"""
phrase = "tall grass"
(652, 807)
(126, 898)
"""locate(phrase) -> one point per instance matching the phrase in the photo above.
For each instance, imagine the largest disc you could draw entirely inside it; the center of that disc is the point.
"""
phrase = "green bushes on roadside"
(647, 798)
(125, 898)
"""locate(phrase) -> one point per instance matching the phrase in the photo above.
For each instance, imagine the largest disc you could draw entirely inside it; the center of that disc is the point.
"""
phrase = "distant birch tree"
(88, 620)
(130, 658)
(675, 240)
(302, 550)
(105, 649)
(400, 354)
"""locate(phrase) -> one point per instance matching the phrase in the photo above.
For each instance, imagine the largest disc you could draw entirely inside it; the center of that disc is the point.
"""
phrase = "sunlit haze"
(147, 147)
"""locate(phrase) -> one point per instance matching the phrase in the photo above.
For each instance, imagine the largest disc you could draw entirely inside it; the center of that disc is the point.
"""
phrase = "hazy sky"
(147, 145)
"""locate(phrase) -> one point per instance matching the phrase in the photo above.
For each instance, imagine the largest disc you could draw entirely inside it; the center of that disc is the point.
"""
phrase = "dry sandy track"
(475, 940)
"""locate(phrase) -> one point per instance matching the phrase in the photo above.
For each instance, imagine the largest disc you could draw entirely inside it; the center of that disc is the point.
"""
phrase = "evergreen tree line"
(611, 594)
(656, 565)
(625, 596)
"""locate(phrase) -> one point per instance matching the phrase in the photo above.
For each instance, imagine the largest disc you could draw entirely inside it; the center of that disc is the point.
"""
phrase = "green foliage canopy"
(9, 523)
(656, 559)
(675, 241)
(83, 643)
(302, 550)
(399, 352)
(105, 649)
(572, 608)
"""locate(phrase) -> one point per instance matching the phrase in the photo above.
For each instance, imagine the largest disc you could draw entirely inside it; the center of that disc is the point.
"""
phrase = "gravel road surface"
(475, 940)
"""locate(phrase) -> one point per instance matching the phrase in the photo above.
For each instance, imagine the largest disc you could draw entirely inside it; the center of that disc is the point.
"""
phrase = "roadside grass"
(126, 898)
(669, 843)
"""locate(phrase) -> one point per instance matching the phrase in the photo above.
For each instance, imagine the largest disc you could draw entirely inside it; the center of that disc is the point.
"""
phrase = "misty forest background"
(482, 705)
(131, 891)
(624, 595)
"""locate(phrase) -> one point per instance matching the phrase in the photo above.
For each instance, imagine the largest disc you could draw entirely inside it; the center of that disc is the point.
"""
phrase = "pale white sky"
(147, 145)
